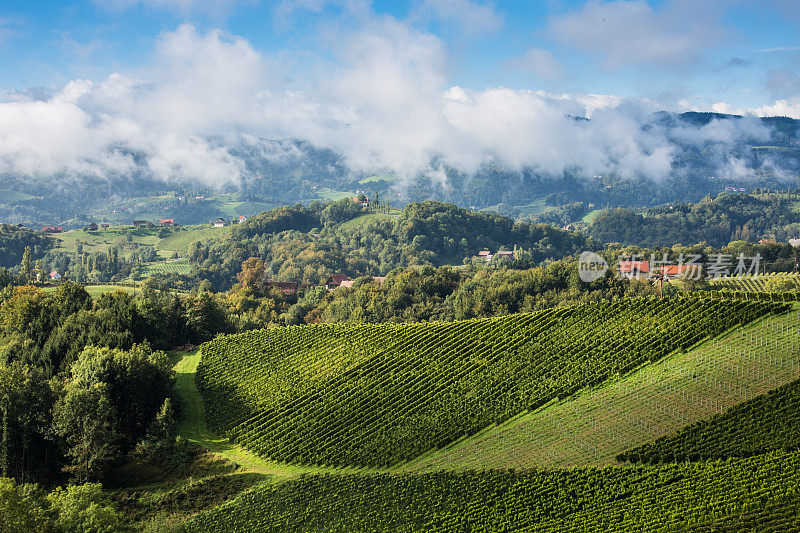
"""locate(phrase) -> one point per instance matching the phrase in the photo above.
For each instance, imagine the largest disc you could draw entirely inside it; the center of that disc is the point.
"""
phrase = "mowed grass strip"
(592, 427)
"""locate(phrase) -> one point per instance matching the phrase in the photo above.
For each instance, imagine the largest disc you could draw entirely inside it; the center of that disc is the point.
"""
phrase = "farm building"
(55, 276)
(166, 222)
(53, 229)
(335, 281)
(92, 227)
(634, 269)
(142, 223)
(219, 223)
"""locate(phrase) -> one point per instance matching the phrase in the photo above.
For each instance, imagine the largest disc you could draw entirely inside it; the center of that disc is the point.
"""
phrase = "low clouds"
(382, 100)
(626, 33)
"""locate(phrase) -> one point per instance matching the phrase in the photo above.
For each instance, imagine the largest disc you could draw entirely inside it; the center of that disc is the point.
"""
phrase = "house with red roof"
(335, 281)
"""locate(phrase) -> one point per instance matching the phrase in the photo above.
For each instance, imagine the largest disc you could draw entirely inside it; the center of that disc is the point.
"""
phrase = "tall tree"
(27, 264)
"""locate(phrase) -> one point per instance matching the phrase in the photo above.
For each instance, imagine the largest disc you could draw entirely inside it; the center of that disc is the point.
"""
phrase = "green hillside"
(762, 283)
(664, 498)
(126, 237)
(658, 399)
(379, 394)
(765, 423)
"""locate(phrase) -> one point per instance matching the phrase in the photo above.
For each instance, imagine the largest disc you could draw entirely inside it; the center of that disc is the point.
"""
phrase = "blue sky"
(185, 84)
(717, 57)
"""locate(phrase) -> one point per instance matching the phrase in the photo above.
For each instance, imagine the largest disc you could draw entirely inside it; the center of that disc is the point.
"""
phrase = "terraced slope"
(381, 394)
(593, 427)
(765, 423)
(757, 284)
(762, 489)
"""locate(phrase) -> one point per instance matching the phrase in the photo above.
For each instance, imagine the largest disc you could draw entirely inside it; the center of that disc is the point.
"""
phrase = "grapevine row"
(380, 394)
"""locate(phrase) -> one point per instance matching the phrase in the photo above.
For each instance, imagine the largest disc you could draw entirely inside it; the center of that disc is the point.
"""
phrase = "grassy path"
(192, 427)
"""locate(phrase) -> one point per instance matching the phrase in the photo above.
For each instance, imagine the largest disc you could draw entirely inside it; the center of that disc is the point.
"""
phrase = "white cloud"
(541, 62)
(382, 102)
(632, 32)
(473, 18)
(788, 107)
(182, 7)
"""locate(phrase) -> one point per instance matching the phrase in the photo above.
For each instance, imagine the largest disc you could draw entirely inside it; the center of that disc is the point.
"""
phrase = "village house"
(55, 276)
(794, 242)
(242, 218)
(166, 222)
(92, 227)
(145, 223)
(643, 269)
(363, 200)
(105, 225)
(53, 229)
(488, 256)
(335, 281)
(219, 223)
(634, 269)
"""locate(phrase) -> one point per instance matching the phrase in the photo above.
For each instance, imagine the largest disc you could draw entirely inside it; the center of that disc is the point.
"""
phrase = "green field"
(534, 208)
(234, 209)
(591, 215)
(537, 471)
(433, 383)
(377, 179)
(177, 240)
(326, 193)
(592, 427)
(181, 237)
(192, 426)
(759, 492)
(180, 266)
(95, 291)
(9, 197)
(364, 219)
(100, 241)
(761, 283)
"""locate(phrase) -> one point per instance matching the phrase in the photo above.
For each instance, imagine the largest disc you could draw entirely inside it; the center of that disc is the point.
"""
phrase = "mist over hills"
(667, 157)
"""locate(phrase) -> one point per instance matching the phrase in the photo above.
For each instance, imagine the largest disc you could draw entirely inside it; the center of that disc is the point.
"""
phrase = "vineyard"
(375, 395)
(166, 267)
(658, 399)
(761, 490)
(760, 283)
(768, 422)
